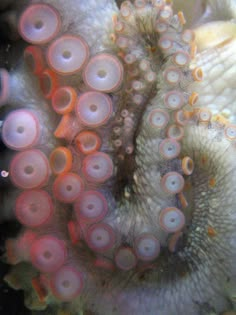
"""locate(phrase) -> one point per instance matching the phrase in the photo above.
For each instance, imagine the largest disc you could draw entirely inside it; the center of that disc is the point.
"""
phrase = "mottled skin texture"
(199, 279)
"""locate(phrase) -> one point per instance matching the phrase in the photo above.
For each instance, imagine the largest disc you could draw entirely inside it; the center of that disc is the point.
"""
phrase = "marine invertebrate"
(125, 192)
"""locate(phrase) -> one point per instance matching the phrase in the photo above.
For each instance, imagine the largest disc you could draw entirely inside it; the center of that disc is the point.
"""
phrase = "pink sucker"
(171, 219)
(48, 253)
(67, 128)
(100, 237)
(68, 54)
(4, 86)
(181, 58)
(104, 73)
(137, 99)
(188, 36)
(29, 169)
(39, 23)
(165, 43)
(204, 116)
(147, 247)
(21, 130)
(158, 118)
(61, 160)
(97, 167)
(166, 13)
(88, 142)
(169, 148)
(34, 58)
(140, 4)
(180, 117)
(150, 76)
(161, 26)
(94, 108)
(67, 187)
(34, 208)
(48, 81)
(175, 132)
(126, 9)
(137, 85)
(91, 207)
(125, 258)
(129, 58)
(122, 42)
(64, 99)
(172, 75)
(144, 65)
(172, 182)
(67, 283)
(174, 99)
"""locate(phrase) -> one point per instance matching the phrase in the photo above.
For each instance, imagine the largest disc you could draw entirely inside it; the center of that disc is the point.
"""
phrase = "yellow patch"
(203, 159)
(211, 231)
(212, 182)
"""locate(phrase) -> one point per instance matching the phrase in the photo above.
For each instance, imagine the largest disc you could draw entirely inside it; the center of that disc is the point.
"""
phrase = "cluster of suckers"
(100, 100)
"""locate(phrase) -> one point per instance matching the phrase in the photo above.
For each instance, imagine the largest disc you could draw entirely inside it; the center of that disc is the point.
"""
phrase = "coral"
(120, 137)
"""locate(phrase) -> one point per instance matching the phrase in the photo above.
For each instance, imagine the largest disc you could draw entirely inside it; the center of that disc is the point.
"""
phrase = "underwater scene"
(117, 157)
